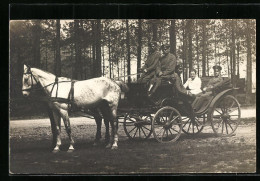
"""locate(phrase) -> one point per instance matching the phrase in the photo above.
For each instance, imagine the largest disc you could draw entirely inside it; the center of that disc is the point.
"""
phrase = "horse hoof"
(70, 150)
(108, 145)
(55, 151)
(114, 147)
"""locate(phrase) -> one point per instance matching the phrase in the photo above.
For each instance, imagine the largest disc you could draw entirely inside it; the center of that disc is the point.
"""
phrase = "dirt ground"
(30, 151)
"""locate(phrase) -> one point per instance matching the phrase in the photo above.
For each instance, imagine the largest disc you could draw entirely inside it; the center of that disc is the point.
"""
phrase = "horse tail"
(122, 85)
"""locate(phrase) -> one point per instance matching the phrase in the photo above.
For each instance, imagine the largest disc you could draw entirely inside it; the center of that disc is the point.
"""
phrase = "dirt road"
(30, 148)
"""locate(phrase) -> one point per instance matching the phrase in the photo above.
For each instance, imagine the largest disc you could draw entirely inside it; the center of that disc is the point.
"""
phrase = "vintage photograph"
(132, 96)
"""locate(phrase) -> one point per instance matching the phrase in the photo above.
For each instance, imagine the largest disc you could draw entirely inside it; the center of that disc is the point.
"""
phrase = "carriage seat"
(226, 84)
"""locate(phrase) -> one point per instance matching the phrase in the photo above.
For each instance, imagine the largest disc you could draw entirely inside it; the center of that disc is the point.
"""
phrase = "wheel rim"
(225, 116)
(192, 127)
(167, 125)
(138, 126)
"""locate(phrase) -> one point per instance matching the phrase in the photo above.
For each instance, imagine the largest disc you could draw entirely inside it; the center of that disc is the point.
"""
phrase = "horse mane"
(50, 74)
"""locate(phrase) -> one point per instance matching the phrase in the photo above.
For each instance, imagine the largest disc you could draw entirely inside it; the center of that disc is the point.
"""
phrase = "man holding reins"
(151, 63)
(165, 69)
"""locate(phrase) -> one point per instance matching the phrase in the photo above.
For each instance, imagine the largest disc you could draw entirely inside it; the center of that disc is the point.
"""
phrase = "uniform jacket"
(167, 65)
(152, 61)
(214, 82)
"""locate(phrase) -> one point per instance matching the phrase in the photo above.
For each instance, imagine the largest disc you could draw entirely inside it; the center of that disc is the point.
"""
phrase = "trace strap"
(56, 82)
(71, 95)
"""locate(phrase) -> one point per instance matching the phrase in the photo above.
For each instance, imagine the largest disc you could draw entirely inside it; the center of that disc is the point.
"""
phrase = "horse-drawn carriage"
(166, 115)
(170, 112)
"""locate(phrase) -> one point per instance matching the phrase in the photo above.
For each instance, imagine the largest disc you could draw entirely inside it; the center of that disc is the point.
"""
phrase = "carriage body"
(145, 114)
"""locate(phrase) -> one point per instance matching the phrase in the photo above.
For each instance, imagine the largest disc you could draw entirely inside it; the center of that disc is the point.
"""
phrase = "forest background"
(116, 48)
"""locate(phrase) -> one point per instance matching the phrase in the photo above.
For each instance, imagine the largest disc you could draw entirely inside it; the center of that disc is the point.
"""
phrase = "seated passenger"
(178, 82)
(193, 84)
(203, 99)
(151, 63)
(164, 70)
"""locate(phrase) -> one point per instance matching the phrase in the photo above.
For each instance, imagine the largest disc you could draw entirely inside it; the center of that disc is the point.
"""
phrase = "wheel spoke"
(232, 121)
(189, 127)
(160, 132)
(174, 129)
(132, 129)
(143, 132)
(135, 132)
(222, 127)
(146, 128)
(186, 123)
(170, 131)
(230, 126)
(163, 134)
(218, 111)
(226, 127)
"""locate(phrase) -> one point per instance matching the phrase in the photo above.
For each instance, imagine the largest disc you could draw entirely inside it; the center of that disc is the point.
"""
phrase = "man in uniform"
(151, 63)
(203, 99)
(164, 70)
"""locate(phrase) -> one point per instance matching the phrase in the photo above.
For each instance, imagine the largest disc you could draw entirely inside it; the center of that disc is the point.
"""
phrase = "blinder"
(32, 78)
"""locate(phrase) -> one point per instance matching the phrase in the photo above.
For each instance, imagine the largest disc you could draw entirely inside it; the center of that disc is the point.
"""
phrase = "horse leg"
(98, 120)
(57, 127)
(53, 126)
(66, 120)
(114, 126)
(104, 111)
(107, 136)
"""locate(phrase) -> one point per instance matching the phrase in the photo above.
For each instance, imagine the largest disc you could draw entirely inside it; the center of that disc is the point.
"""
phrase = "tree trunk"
(103, 60)
(78, 65)
(36, 44)
(109, 55)
(139, 46)
(173, 37)
(58, 58)
(128, 52)
(93, 48)
(249, 64)
(197, 49)
(203, 49)
(98, 48)
(238, 73)
(189, 28)
(155, 30)
(233, 53)
(215, 45)
(183, 50)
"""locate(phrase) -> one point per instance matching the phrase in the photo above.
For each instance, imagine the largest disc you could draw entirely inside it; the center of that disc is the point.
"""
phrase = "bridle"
(32, 78)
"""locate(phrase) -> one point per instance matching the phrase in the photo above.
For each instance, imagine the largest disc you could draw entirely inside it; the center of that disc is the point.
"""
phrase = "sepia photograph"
(132, 96)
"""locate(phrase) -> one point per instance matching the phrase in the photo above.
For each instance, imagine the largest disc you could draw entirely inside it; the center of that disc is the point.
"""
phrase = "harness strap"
(71, 95)
(56, 82)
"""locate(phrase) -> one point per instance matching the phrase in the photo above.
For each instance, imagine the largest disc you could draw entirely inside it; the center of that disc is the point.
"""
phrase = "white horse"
(97, 93)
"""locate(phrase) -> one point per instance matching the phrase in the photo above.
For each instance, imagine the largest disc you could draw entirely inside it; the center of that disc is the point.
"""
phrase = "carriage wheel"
(167, 125)
(137, 126)
(192, 127)
(225, 116)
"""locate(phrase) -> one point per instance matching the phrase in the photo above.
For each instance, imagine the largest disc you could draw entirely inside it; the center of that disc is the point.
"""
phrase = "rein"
(126, 76)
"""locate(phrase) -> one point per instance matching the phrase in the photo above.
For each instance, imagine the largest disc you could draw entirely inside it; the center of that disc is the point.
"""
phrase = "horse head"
(28, 81)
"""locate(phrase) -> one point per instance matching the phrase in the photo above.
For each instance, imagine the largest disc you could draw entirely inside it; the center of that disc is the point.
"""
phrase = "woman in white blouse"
(193, 84)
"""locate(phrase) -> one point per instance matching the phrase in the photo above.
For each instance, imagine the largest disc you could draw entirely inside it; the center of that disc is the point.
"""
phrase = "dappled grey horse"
(101, 95)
